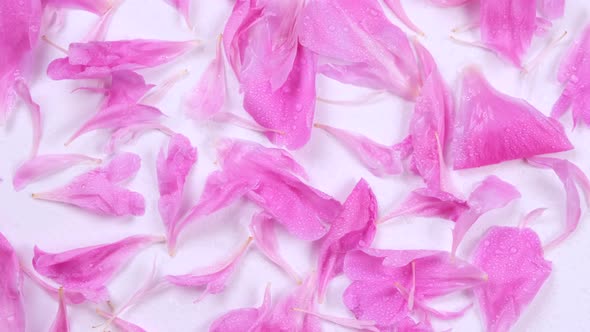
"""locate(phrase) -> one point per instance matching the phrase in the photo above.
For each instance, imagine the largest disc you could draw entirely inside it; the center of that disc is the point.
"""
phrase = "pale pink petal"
(449, 3)
(61, 322)
(208, 96)
(212, 279)
(365, 47)
(493, 127)
(98, 7)
(353, 228)
(45, 165)
(101, 28)
(23, 91)
(379, 159)
(244, 319)
(492, 193)
(183, 7)
(173, 168)
(246, 123)
(262, 229)
(513, 259)
(90, 267)
(552, 9)
(397, 8)
(98, 190)
(570, 175)
(12, 312)
(122, 325)
(349, 323)
(128, 134)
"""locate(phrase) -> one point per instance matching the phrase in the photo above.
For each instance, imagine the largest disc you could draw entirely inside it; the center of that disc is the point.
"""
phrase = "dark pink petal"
(353, 228)
(552, 9)
(90, 268)
(98, 7)
(98, 190)
(122, 325)
(379, 159)
(362, 44)
(513, 259)
(12, 312)
(570, 175)
(127, 87)
(397, 8)
(486, 114)
(492, 193)
(262, 229)
(212, 279)
(172, 169)
(183, 7)
(46, 165)
(245, 319)
(430, 203)
(61, 322)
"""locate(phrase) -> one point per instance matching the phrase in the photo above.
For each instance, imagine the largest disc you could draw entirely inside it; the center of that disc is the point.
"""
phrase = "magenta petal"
(353, 228)
(61, 322)
(173, 168)
(426, 202)
(12, 312)
(570, 175)
(213, 279)
(98, 7)
(486, 114)
(262, 229)
(245, 319)
(46, 165)
(90, 267)
(513, 260)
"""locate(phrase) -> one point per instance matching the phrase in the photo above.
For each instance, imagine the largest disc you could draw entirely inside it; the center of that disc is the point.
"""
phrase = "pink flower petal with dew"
(122, 325)
(127, 87)
(486, 114)
(262, 230)
(513, 259)
(98, 190)
(365, 47)
(244, 319)
(381, 160)
(213, 279)
(492, 193)
(183, 7)
(45, 165)
(98, 7)
(426, 202)
(118, 116)
(398, 10)
(353, 228)
(90, 267)
(71, 296)
(61, 322)
(23, 91)
(208, 96)
(508, 29)
(129, 134)
(570, 175)
(573, 74)
(173, 168)
(12, 312)
(552, 9)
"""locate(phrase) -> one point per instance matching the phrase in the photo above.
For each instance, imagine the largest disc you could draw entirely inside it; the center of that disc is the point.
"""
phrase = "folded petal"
(493, 127)
(212, 279)
(513, 259)
(46, 165)
(172, 169)
(353, 228)
(12, 312)
(61, 322)
(90, 267)
(127, 87)
(98, 7)
(426, 202)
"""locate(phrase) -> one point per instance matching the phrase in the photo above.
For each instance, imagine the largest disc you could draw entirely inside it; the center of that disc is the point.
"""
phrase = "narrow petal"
(61, 322)
(12, 312)
(183, 7)
(397, 9)
(23, 91)
(122, 325)
(71, 296)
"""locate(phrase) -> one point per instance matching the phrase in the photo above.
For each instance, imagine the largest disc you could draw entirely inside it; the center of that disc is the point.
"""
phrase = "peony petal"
(570, 175)
(90, 268)
(486, 114)
(45, 165)
(127, 87)
(23, 91)
(245, 319)
(12, 312)
(214, 278)
(552, 9)
(262, 230)
(128, 134)
(430, 203)
(98, 7)
(353, 228)
(397, 9)
(183, 7)
(122, 325)
(71, 296)
(449, 3)
(284, 318)
(173, 168)
(513, 259)
(61, 322)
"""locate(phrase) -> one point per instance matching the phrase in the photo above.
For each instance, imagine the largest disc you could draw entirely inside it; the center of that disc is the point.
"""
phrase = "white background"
(562, 305)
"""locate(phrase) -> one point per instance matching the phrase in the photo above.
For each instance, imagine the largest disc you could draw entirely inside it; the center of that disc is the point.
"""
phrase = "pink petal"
(492, 193)
(98, 7)
(101, 28)
(284, 318)
(172, 169)
(23, 91)
(45, 165)
(379, 159)
(486, 113)
(449, 3)
(245, 319)
(61, 322)
(122, 325)
(430, 203)
(127, 87)
(12, 313)
(208, 96)
(353, 228)
(71, 296)
(349, 323)
(552, 9)
(90, 267)
(128, 134)
(214, 278)
(513, 259)
(397, 9)
(183, 7)
(98, 190)
(374, 52)
(508, 29)
(262, 230)
(570, 175)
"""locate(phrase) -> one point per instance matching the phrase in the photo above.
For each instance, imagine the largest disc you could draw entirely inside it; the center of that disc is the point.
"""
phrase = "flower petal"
(98, 7)
(61, 322)
(12, 313)
(244, 319)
